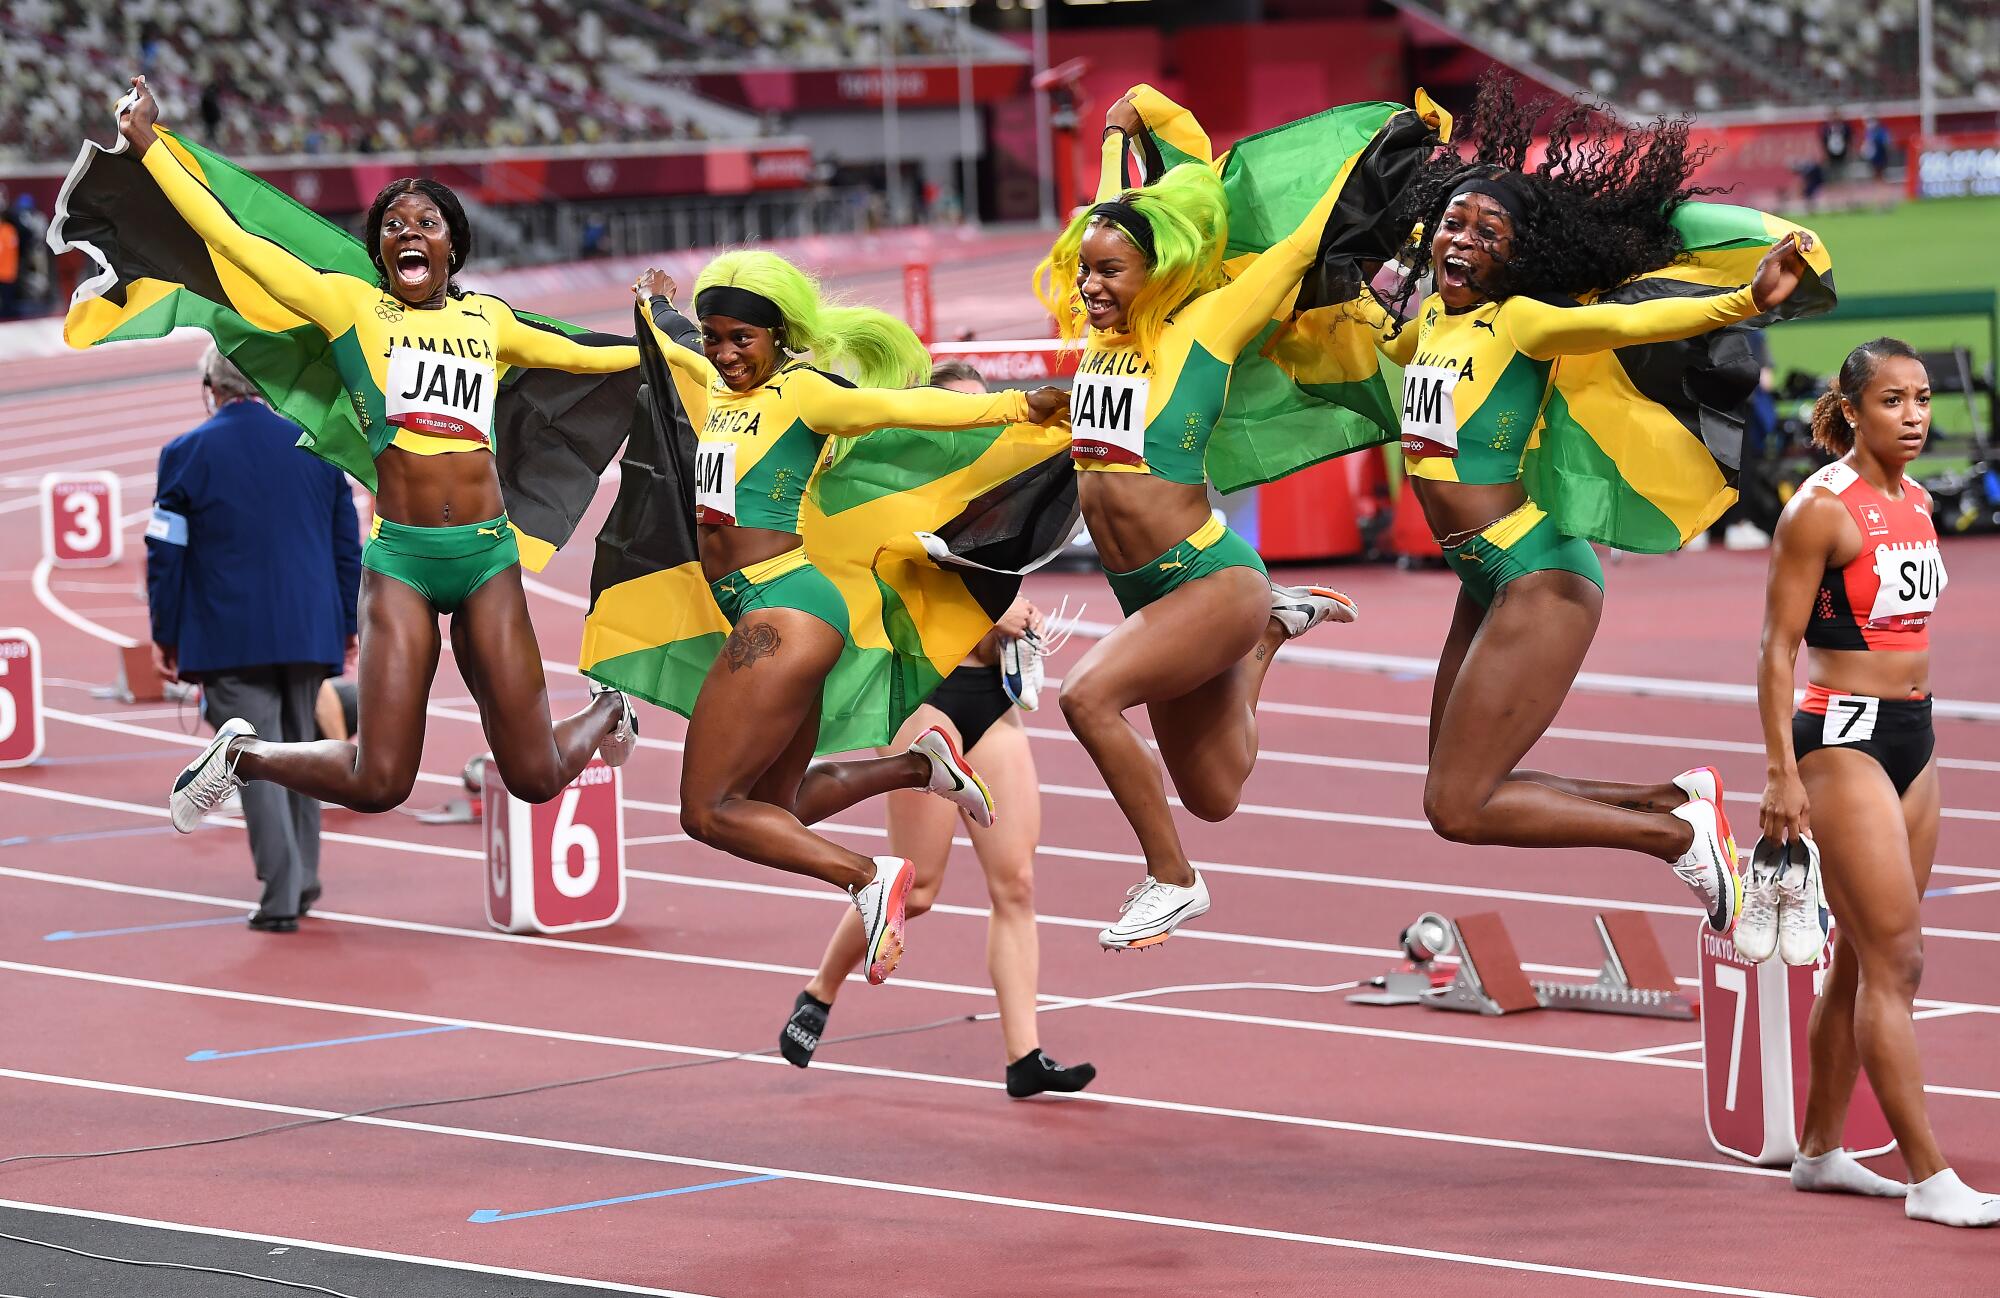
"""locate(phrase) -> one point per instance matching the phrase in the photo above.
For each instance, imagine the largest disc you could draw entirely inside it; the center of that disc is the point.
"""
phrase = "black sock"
(1035, 1072)
(802, 1031)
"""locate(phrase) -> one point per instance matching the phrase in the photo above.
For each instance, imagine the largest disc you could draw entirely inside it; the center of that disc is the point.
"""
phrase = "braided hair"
(1597, 207)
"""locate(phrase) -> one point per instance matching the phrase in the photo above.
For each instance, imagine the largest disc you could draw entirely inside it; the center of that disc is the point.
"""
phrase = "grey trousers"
(284, 826)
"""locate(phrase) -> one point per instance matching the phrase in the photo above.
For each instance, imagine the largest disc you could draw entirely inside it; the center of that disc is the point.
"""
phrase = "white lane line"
(1419, 721)
(348, 1250)
(904, 1188)
(1126, 1007)
(63, 611)
(34, 499)
(941, 1079)
(876, 832)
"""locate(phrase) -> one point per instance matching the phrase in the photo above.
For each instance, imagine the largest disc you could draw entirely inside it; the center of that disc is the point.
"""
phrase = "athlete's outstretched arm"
(323, 297)
(545, 349)
(837, 411)
(1545, 332)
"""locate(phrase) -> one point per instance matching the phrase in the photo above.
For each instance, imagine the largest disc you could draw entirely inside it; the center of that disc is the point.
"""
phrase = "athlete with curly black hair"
(1510, 248)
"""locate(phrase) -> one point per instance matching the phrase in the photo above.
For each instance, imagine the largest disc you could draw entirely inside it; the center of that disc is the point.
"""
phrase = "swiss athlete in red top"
(1856, 575)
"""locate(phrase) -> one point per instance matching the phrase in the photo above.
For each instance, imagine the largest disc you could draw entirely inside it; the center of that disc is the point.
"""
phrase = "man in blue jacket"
(253, 567)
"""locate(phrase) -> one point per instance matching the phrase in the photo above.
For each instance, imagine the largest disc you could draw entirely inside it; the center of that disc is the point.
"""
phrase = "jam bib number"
(1107, 419)
(1430, 419)
(444, 396)
(715, 483)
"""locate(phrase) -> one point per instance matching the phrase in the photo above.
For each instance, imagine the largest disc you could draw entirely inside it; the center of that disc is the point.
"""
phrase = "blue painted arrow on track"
(487, 1215)
(204, 1056)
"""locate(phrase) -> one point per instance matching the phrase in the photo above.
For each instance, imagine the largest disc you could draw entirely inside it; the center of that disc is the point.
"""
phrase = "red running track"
(1261, 1141)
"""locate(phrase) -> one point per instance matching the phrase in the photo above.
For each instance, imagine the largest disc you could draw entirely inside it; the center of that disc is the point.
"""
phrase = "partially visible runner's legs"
(748, 768)
(921, 829)
(1876, 852)
(1197, 658)
(1502, 677)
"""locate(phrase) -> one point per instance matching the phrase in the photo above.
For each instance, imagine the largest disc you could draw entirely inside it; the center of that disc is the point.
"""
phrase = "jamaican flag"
(1306, 389)
(925, 534)
(1638, 448)
(554, 433)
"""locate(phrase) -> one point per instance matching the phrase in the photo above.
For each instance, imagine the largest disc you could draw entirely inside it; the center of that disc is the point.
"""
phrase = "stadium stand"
(273, 77)
(1710, 55)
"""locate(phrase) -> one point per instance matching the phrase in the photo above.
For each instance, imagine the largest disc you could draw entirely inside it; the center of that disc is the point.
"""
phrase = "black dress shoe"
(275, 923)
(306, 900)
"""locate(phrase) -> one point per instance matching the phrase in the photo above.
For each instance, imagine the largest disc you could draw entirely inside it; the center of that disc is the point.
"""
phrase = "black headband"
(1501, 191)
(1132, 221)
(739, 304)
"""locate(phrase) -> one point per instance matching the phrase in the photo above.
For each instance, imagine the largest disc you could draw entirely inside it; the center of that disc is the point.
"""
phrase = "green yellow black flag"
(1305, 390)
(554, 433)
(1638, 448)
(925, 534)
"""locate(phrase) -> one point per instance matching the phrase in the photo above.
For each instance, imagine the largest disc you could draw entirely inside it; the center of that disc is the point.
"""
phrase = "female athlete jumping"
(749, 785)
(420, 356)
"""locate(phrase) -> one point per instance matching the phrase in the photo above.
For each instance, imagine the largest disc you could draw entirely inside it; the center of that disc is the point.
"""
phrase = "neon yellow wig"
(1190, 219)
(872, 347)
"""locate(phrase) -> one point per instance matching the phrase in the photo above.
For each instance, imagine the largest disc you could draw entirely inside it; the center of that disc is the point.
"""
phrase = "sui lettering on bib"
(440, 395)
(1910, 578)
(715, 483)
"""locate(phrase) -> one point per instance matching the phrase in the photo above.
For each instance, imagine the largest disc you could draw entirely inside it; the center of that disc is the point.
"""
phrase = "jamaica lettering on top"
(1115, 363)
(472, 349)
(730, 424)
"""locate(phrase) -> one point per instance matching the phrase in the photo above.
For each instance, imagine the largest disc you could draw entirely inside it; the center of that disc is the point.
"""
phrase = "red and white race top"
(1884, 597)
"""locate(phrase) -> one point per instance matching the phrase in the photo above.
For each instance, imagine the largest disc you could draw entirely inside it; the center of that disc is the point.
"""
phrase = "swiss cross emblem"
(1872, 516)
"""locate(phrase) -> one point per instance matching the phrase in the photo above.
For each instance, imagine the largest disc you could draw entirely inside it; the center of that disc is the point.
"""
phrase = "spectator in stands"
(1836, 142)
(253, 569)
(1875, 148)
(10, 261)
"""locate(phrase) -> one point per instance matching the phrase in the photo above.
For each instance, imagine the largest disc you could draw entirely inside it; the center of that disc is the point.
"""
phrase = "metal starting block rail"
(1634, 978)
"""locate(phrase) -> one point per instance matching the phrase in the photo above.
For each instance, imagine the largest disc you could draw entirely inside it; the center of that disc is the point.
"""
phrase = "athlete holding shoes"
(1855, 573)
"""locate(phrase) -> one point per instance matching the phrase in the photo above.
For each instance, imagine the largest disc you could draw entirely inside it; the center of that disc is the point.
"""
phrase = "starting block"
(1634, 978)
(1755, 1059)
(557, 866)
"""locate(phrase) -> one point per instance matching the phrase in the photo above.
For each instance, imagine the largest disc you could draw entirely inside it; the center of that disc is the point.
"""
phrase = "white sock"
(1951, 1202)
(1839, 1172)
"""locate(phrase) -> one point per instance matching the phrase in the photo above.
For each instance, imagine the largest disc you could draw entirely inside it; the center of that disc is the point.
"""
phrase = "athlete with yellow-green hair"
(1139, 280)
(763, 417)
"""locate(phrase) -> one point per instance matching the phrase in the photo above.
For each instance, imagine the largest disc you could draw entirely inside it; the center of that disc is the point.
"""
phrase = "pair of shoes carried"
(1784, 904)
(1301, 608)
(1709, 864)
(952, 777)
(617, 747)
(1151, 913)
(275, 923)
(205, 782)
